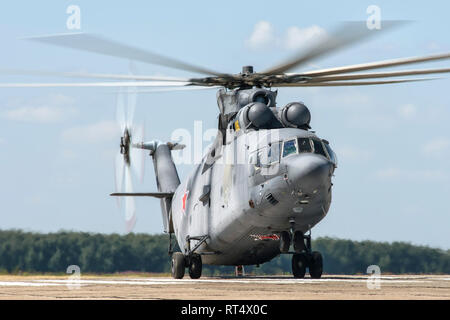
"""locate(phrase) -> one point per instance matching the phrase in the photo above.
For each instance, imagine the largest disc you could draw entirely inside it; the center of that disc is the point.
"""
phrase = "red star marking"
(184, 200)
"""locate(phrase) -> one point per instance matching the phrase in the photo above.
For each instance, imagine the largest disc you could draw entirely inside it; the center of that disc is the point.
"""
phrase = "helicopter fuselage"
(258, 184)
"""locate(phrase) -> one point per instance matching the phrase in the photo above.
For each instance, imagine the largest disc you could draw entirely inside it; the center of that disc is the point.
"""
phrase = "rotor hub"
(125, 142)
(247, 69)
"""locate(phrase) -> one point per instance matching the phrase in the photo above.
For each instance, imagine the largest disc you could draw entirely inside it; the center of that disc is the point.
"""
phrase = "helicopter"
(266, 180)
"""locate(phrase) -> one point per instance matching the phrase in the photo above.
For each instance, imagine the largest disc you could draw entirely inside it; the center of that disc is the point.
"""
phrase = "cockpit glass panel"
(289, 147)
(318, 148)
(304, 145)
(331, 153)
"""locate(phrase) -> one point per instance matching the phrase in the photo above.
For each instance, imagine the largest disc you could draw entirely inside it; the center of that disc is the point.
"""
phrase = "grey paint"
(242, 205)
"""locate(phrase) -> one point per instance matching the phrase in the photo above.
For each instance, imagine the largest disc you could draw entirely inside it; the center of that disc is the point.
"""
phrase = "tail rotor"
(129, 161)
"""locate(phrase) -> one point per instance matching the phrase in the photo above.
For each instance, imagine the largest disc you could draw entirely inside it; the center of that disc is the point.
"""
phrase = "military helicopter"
(266, 180)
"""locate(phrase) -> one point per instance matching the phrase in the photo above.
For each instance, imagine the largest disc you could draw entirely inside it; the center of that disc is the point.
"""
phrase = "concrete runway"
(232, 288)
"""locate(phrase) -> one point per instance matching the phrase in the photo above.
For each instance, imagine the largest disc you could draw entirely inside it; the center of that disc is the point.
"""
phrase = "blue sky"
(57, 146)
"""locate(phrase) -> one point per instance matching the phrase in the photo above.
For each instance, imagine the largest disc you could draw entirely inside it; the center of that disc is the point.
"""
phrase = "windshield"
(289, 147)
(304, 145)
(318, 148)
(331, 153)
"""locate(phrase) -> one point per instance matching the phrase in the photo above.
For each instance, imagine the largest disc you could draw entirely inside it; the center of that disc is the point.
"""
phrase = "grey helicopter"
(266, 180)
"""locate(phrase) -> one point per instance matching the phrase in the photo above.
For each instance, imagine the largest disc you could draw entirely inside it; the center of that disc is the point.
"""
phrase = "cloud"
(50, 109)
(98, 132)
(407, 111)
(296, 37)
(264, 36)
(405, 175)
(436, 147)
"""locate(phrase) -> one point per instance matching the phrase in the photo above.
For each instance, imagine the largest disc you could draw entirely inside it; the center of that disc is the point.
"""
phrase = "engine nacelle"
(256, 114)
(295, 115)
(264, 96)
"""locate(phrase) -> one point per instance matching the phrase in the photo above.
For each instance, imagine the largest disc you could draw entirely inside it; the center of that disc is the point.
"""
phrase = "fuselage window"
(274, 153)
(289, 147)
(318, 148)
(304, 145)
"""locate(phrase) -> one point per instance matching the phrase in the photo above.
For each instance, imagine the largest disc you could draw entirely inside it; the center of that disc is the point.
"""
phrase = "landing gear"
(299, 264)
(285, 241)
(195, 266)
(303, 257)
(239, 271)
(192, 262)
(178, 265)
(315, 265)
(190, 259)
(299, 242)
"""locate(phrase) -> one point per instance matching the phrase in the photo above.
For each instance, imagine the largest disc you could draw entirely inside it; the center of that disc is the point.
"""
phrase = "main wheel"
(299, 263)
(178, 265)
(285, 241)
(316, 265)
(195, 266)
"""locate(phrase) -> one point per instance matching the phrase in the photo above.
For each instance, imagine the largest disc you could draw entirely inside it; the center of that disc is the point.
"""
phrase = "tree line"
(110, 253)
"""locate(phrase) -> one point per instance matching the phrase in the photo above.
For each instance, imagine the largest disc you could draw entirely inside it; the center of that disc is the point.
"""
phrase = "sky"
(58, 145)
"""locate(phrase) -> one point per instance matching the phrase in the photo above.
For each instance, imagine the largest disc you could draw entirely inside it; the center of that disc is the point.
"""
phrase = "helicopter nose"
(308, 172)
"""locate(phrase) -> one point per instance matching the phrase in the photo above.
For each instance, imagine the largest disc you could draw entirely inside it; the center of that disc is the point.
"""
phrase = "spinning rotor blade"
(188, 88)
(377, 75)
(130, 207)
(137, 155)
(97, 84)
(376, 65)
(119, 168)
(129, 160)
(347, 34)
(93, 43)
(347, 83)
(87, 75)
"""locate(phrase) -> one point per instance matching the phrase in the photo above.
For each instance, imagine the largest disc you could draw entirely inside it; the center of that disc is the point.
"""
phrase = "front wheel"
(316, 265)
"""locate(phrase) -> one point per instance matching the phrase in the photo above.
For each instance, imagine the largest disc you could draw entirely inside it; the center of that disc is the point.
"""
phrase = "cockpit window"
(304, 145)
(289, 147)
(318, 148)
(331, 153)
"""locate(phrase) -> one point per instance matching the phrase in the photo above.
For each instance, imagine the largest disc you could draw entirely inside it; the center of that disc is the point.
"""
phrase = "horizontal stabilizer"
(143, 194)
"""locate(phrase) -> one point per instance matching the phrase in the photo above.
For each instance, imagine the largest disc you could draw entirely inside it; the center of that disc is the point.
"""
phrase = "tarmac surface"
(336, 287)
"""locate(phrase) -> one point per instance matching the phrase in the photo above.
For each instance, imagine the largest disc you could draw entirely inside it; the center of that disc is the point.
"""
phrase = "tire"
(195, 266)
(285, 241)
(316, 265)
(178, 265)
(299, 263)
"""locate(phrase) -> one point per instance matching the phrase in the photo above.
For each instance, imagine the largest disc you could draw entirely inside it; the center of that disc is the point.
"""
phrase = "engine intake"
(295, 115)
(258, 114)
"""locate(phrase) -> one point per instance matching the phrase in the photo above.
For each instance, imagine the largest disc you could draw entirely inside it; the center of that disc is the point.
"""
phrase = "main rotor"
(277, 76)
